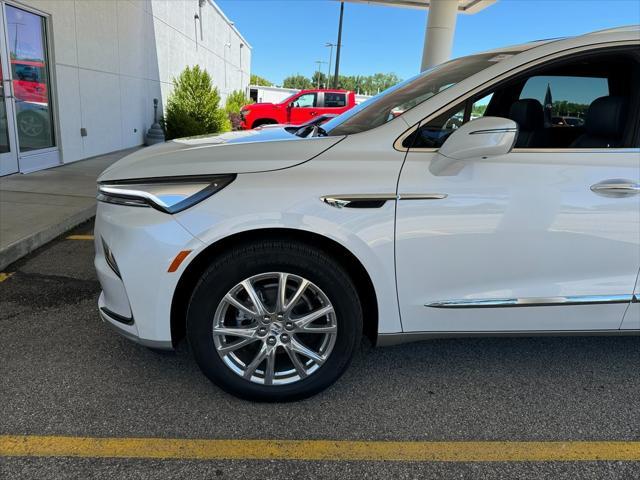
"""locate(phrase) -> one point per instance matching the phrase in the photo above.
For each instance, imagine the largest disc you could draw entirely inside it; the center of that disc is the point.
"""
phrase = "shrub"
(193, 106)
(235, 101)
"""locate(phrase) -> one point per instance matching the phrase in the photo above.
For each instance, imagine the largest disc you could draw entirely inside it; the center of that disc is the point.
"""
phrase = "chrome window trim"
(577, 150)
(531, 301)
(397, 145)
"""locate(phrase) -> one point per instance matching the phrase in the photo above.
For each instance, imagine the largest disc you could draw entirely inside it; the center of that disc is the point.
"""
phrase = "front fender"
(251, 204)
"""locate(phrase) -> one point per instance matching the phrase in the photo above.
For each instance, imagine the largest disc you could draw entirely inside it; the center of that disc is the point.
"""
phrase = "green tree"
(236, 100)
(351, 82)
(297, 81)
(319, 78)
(369, 85)
(258, 80)
(570, 109)
(193, 106)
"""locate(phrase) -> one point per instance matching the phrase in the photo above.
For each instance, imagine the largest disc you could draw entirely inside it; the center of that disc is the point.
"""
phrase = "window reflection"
(31, 83)
(4, 127)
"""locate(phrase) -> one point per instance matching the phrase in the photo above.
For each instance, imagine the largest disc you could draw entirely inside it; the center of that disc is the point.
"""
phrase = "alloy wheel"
(275, 328)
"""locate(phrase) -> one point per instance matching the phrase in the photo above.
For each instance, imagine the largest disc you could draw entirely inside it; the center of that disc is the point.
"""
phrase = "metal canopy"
(441, 23)
(464, 6)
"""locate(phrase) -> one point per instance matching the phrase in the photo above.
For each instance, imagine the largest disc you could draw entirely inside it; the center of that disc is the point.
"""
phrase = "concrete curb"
(16, 250)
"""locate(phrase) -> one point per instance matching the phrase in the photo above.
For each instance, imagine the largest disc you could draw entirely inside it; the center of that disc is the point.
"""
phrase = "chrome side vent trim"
(375, 200)
(532, 301)
(360, 200)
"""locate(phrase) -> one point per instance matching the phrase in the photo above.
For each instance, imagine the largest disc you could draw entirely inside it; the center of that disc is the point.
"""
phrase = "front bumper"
(116, 323)
(144, 242)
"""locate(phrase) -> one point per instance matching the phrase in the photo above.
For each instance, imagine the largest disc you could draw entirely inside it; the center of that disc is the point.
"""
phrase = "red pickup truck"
(297, 109)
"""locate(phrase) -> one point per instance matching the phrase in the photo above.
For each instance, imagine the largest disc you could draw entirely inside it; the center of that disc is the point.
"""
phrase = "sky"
(288, 36)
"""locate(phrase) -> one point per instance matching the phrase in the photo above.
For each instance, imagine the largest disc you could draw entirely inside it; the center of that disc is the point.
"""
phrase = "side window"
(434, 134)
(305, 101)
(479, 107)
(565, 99)
(583, 102)
(335, 100)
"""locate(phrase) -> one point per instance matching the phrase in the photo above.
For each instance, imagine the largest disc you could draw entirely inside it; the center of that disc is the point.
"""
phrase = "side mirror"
(481, 138)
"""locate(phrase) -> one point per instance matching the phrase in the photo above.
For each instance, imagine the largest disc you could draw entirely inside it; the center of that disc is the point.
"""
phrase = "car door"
(303, 108)
(480, 243)
(631, 319)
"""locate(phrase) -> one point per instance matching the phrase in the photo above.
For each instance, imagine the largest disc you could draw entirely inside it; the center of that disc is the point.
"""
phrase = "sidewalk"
(37, 207)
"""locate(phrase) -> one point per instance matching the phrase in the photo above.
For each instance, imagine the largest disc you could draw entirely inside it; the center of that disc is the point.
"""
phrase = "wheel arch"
(195, 269)
(263, 121)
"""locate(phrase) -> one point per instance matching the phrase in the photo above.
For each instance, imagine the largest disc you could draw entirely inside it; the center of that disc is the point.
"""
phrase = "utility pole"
(330, 45)
(335, 78)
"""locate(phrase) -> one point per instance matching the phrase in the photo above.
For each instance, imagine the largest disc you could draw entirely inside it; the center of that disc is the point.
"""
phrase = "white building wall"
(113, 57)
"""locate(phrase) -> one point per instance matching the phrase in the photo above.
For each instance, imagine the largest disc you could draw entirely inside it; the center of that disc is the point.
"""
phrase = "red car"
(297, 109)
(29, 81)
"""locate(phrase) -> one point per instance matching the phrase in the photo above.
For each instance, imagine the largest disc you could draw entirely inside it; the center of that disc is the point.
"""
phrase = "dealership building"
(79, 76)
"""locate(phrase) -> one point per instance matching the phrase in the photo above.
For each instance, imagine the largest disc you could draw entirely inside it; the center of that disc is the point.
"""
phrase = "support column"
(438, 38)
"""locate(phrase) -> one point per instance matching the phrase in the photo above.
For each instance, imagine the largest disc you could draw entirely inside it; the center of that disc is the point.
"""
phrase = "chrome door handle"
(616, 187)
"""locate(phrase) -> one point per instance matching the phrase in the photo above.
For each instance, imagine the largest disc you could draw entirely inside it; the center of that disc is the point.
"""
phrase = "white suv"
(449, 205)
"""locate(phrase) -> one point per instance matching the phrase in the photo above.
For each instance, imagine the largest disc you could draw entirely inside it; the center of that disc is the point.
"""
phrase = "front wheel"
(274, 321)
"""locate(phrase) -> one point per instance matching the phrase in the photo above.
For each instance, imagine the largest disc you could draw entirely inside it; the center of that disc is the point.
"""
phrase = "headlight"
(169, 195)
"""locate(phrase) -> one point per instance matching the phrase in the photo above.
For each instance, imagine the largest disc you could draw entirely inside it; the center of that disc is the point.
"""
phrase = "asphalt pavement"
(64, 373)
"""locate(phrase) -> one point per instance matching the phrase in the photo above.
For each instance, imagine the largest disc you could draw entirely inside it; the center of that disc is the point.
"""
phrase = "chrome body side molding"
(422, 196)
(375, 200)
(389, 339)
(531, 302)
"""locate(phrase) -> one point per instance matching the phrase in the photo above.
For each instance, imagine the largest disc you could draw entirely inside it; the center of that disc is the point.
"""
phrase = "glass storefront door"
(27, 139)
(8, 149)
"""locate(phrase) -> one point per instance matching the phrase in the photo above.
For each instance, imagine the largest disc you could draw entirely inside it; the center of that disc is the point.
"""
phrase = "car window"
(306, 100)
(335, 100)
(436, 131)
(30, 73)
(479, 107)
(553, 107)
(565, 99)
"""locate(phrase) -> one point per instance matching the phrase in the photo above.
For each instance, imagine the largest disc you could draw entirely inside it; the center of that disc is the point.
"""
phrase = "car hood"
(253, 106)
(247, 151)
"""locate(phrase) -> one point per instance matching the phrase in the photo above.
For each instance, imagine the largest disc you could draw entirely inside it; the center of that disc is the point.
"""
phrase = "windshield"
(398, 99)
(289, 99)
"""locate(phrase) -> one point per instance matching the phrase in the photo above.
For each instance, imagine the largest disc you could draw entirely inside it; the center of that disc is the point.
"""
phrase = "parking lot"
(64, 373)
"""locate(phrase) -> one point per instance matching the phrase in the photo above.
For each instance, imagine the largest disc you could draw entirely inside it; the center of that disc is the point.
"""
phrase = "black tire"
(247, 260)
(263, 121)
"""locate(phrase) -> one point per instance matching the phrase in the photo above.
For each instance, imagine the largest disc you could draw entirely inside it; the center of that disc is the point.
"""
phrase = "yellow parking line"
(5, 276)
(80, 237)
(183, 449)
